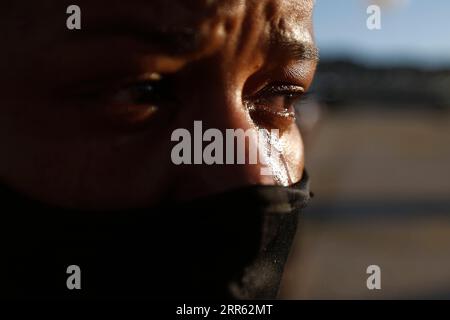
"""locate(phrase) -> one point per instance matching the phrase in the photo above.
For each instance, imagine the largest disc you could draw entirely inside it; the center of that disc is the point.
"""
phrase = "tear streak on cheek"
(273, 149)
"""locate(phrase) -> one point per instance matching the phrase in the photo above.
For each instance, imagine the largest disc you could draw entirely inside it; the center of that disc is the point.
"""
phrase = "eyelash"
(160, 90)
(275, 106)
(156, 91)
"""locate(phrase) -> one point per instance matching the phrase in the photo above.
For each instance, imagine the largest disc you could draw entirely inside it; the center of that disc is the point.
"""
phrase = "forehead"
(208, 20)
(159, 12)
(181, 23)
(199, 8)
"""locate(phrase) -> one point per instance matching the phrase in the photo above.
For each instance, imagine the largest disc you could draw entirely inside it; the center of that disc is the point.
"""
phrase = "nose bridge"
(225, 69)
(226, 109)
(217, 100)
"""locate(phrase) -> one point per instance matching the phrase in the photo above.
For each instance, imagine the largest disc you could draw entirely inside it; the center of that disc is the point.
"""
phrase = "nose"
(210, 116)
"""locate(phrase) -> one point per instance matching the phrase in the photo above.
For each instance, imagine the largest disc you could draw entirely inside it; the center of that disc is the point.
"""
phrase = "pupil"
(143, 93)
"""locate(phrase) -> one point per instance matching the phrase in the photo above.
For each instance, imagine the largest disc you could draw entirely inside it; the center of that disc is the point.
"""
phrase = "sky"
(412, 31)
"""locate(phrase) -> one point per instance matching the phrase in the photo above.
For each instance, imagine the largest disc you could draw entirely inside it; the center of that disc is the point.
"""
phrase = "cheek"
(52, 160)
(127, 172)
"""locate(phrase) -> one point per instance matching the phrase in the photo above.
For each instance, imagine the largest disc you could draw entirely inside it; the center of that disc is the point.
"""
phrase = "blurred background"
(377, 131)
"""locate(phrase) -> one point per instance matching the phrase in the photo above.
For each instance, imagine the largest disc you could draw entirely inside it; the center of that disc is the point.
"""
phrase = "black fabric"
(232, 245)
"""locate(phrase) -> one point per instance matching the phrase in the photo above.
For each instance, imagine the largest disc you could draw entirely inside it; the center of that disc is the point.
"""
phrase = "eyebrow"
(170, 40)
(296, 49)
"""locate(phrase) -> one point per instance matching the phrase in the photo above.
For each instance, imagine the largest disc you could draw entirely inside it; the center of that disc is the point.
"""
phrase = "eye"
(148, 90)
(137, 101)
(274, 106)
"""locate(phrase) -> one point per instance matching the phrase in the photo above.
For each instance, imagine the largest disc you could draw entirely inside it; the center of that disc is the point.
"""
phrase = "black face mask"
(232, 245)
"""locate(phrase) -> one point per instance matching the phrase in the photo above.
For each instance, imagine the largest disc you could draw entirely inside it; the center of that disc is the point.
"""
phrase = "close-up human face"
(163, 150)
(86, 116)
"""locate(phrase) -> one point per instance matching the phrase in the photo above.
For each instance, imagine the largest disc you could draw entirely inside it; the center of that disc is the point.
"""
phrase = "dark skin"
(86, 116)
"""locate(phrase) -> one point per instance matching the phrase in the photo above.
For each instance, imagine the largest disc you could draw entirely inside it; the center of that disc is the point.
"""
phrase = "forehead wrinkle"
(290, 29)
(295, 47)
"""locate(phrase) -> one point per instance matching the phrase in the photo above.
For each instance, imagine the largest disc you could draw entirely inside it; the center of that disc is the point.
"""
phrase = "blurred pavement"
(381, 180)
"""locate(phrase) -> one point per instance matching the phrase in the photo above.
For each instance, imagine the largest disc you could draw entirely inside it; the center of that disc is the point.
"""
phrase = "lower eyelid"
(280, 113)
